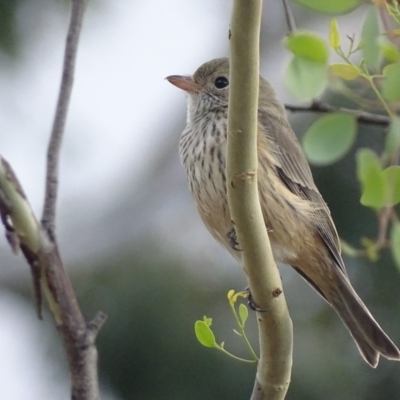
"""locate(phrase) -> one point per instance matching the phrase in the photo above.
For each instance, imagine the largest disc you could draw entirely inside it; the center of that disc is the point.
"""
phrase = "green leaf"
(204, 334)
(369, 38)
(345, 71)
(372, 254)
(308, 45)
(389, 50)
(395, 243)
(370, 248)
(243, 313)
(392, 176)
(392, 141)
(334, 34)
(348, 250)
(329, 138)
(305, 79)
(391, 83)
(330, 6)
(373, 182)
(387, 68)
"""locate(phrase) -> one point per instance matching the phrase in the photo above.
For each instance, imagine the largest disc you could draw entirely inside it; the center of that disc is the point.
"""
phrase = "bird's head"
(207, 88)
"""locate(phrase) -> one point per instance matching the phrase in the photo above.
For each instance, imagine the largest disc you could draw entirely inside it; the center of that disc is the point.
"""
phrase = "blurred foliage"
(306, 75)
(369, 75)
(329, 138)
(369, 41)
(331, 6)
(8, 29)
(148, 348)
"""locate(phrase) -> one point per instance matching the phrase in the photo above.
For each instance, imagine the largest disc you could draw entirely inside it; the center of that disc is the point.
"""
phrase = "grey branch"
(42, 255)
(57, 133)
(361, 116)
(39, 246)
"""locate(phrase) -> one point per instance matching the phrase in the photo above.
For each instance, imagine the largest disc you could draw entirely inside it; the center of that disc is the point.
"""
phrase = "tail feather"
(370, 355)
(371, 340)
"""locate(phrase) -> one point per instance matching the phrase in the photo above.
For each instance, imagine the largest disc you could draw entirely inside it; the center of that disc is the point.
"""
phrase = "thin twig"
(289, 17)
(94, 326)
(386, 21)
(383, 221)
(57, 133)
(79, 338)
(361, 116)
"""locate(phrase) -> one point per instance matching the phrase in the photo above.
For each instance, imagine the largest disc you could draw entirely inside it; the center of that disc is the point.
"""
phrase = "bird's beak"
(185, 83)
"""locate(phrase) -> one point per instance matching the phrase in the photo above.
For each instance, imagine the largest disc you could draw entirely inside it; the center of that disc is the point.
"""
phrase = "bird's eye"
(221, 82)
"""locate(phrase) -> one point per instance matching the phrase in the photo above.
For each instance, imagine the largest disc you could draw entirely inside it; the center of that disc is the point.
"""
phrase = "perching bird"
(299, 223)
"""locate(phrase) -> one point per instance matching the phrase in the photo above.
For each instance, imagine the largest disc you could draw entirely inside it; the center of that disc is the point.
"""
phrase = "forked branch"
(37, 241)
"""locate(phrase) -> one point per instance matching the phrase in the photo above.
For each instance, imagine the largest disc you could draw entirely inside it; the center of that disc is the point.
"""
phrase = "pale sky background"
(121, 106)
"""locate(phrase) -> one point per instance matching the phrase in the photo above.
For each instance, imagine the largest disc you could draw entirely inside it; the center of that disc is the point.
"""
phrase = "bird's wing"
(295, 172)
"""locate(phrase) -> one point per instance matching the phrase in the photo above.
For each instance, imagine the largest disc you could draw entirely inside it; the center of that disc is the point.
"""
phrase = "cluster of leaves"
(369, 75)
(206, 336)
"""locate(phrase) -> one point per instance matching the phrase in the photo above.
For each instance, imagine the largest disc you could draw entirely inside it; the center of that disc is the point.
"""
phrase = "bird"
(301, 230)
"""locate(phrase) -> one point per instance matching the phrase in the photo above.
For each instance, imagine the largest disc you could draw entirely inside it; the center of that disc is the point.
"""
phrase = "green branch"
(275, 326)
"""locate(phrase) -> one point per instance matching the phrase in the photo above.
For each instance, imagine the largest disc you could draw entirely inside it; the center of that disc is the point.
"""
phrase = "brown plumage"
(300, 226)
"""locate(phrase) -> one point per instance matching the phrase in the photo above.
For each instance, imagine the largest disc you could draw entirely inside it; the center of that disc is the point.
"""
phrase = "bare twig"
(78, 338)
(57, 133)
(361, 116)
(274, 326)
(289, 17)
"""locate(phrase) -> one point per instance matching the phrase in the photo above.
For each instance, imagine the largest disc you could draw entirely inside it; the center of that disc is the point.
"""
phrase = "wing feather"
(293, 169)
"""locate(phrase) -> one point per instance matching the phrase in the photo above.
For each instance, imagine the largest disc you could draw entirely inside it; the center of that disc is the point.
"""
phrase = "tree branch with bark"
(37, 240)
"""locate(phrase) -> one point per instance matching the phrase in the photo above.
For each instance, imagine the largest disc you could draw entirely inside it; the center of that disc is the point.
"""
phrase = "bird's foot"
(251, 302)
(231, 236)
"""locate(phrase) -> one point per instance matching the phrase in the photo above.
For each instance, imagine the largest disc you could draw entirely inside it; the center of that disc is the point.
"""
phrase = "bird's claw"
(231, 236)
(252, 304)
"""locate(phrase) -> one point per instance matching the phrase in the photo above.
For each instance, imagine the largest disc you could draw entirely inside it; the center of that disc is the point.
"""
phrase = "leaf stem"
(218, 347)
(378, 94)
(242, 331)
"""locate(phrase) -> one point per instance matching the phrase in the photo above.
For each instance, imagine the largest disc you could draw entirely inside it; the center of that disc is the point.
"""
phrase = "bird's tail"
(370, 338)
